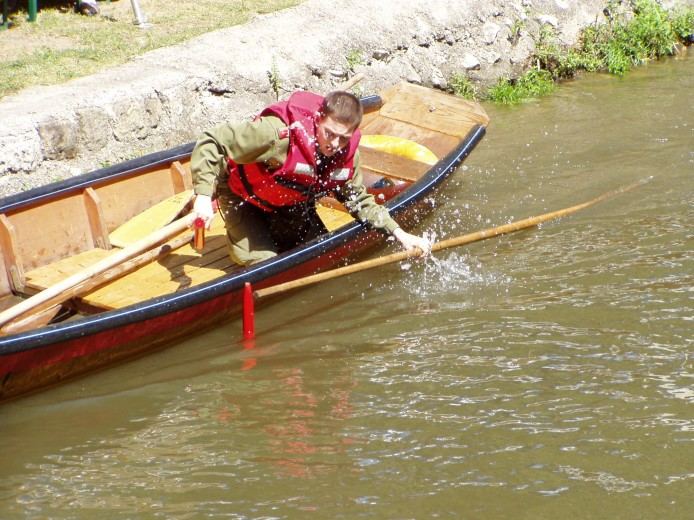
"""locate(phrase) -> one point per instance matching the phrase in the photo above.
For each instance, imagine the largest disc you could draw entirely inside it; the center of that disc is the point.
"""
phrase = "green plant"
(503, 93)
(516, 27)
(682, 21)
(273, 77)
(534, 83)
(547, 50)
(354, 58)
(649, 32)
(462, 86)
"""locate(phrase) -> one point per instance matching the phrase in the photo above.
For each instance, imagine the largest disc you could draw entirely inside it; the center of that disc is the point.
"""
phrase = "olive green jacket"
(259, 142)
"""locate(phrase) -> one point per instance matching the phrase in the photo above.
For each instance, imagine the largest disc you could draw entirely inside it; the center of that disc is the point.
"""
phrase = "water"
(546, 374)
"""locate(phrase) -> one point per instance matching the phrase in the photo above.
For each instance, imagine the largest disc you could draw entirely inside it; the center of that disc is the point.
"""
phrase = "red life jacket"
(300, 178)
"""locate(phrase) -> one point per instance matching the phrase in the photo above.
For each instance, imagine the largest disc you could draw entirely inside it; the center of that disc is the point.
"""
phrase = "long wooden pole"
(351, 82)
(62, 290)
(444, 244)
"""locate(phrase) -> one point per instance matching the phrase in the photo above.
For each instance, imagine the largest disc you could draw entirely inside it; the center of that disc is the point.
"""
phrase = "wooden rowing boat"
(414, 139)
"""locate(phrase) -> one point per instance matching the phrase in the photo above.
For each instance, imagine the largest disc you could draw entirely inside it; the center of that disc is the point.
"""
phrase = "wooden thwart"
(177, 266)
(184, 267)
(180, 270)
(392, 165)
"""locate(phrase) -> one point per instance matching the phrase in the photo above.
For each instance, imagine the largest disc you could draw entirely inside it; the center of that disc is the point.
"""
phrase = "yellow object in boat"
(399, 146)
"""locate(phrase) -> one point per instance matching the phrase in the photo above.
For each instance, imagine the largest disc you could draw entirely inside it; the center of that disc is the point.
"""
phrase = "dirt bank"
(166, 97)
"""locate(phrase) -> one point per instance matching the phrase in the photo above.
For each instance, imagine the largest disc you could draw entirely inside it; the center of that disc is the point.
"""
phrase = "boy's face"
(332, 136)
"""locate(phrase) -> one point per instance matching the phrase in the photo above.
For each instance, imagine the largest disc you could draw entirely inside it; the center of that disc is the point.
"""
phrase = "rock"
(94, 129)
(438, 80)
(470, 62)
(380, 54)
(316, 71)
(494, 57)
(548, 19)
(489, 32)
(20, 149)
(58, 138)
(423, 39)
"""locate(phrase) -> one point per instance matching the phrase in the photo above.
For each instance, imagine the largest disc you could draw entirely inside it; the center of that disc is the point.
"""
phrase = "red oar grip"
(199, 238)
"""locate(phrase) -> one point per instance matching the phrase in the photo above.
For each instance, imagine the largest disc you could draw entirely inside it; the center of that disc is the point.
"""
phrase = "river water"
(546, 374)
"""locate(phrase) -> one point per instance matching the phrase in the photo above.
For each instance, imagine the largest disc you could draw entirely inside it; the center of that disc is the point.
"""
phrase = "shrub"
(462, 86)
(534, 83)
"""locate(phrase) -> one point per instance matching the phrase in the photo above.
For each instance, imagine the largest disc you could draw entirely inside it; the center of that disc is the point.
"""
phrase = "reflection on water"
(544, 374)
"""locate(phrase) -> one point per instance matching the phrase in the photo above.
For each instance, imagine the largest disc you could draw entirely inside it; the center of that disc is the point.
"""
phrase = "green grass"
(625, 40)
(462, 86)
(354, 59)
(65, 45)
(534, 83)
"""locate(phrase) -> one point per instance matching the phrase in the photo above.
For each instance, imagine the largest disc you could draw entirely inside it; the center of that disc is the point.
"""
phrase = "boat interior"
(45, 243)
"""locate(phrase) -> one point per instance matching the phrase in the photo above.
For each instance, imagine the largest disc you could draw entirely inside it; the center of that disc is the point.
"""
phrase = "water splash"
(453, 273)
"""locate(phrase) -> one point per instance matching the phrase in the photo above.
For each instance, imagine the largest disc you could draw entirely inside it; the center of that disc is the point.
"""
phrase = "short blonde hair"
(343, 107)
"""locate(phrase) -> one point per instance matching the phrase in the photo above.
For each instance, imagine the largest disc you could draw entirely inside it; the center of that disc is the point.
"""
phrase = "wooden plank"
(42, 313)
(8, 301)
(181, 177)
(433, 110)
(392, 165)
(182, 268)
(51, 231)
(124, 199)
(33, 321)
(333, 218)
(150, 220)
(11, 258)
(64, 289)
(95, 217)
(47, 275)
(161, 278)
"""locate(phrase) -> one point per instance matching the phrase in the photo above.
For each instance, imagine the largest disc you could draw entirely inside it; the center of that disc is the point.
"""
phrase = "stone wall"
(166, 97)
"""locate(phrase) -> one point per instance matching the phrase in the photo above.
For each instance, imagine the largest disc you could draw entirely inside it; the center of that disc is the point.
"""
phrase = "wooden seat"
(392, 165)
(180, 269)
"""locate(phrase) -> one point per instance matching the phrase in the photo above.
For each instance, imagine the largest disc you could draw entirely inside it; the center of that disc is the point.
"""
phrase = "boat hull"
(42, 358)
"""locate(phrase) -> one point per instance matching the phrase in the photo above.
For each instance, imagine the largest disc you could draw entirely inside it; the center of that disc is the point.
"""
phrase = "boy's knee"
(245, 256)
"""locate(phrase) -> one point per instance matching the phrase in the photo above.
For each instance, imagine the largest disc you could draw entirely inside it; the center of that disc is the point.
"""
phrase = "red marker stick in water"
(248, 312)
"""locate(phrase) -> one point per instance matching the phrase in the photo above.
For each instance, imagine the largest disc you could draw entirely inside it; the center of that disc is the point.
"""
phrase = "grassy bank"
(627, 37)
(63, 44)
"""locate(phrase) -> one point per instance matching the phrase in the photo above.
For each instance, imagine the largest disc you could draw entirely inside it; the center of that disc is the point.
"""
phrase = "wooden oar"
(445, 244)
(44, 312)
(61, 291)
(352, 81)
